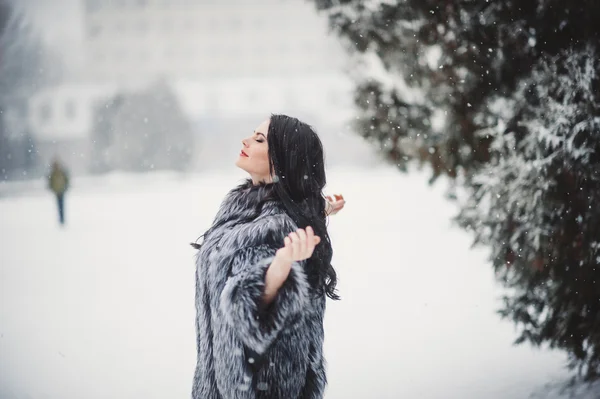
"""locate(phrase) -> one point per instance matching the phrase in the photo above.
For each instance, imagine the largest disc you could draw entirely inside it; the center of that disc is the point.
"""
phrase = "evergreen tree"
(534, 203)
(504, 96)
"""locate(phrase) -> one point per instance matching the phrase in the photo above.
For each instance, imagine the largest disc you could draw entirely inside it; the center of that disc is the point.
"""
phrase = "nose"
(244, 143)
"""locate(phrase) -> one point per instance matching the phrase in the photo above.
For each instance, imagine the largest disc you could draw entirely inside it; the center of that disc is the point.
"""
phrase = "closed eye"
(261, 137)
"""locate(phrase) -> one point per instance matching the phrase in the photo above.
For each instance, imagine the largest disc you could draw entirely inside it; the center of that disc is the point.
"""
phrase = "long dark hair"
(298, 169)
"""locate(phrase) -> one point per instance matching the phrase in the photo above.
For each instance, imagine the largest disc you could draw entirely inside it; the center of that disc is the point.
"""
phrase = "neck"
(256, 180)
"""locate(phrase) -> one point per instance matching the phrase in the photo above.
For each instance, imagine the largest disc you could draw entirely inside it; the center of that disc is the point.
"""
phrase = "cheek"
(265, 155)
(262, 156)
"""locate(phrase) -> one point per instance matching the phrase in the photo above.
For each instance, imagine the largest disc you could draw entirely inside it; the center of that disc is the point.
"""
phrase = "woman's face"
(254, 156)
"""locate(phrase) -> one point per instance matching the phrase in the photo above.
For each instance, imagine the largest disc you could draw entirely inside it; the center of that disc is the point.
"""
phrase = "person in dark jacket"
(263, 272)
(58, 182)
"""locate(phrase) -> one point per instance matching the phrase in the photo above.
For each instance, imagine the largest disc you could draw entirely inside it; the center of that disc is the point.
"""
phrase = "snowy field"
(104, 308)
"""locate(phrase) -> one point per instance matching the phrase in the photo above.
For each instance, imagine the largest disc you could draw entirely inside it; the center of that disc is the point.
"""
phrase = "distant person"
(263, 272)
(58, 182)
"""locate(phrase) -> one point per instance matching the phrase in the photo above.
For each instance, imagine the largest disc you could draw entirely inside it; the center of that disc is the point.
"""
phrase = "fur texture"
(244, 350)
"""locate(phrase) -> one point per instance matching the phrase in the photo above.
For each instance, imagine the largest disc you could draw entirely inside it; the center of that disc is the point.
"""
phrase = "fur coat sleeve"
(241, 299)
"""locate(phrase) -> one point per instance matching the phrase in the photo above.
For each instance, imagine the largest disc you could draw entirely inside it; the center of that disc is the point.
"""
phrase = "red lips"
(243, 154)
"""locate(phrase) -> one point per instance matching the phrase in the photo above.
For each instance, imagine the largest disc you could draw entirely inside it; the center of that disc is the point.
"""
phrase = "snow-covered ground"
(104, 308)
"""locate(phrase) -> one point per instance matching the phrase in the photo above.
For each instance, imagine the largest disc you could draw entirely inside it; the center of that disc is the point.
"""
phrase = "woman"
(263, 272)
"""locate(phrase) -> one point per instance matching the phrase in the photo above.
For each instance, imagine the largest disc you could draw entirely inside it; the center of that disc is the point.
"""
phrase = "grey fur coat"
(244, 350)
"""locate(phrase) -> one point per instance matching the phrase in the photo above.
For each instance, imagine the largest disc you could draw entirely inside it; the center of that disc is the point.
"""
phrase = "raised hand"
(334, 205)
(298, 245)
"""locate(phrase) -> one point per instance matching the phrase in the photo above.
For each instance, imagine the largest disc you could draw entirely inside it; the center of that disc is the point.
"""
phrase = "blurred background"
(144, 85)
(464, 137)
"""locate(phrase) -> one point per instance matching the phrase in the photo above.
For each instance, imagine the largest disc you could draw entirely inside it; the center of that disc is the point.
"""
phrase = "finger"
(303, 242)
(338, 197)
(295, 244)
(315, 241)
(287, 243)
(329, 198)
(310, 235)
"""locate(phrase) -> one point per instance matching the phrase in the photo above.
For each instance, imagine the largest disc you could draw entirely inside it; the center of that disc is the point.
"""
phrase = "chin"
(239, 164)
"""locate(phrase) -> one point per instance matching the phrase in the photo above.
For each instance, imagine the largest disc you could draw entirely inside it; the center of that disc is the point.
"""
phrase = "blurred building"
(129, 40)
(231, 63)
(61, 118)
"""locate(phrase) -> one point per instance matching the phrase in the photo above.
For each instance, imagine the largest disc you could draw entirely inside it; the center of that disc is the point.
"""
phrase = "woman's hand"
(298, 245)
(333, 206)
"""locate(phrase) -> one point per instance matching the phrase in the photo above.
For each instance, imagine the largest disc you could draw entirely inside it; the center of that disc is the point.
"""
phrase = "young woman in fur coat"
(264, 270)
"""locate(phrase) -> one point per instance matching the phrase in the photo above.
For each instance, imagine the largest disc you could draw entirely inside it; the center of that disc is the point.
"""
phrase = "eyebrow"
(260, 134)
